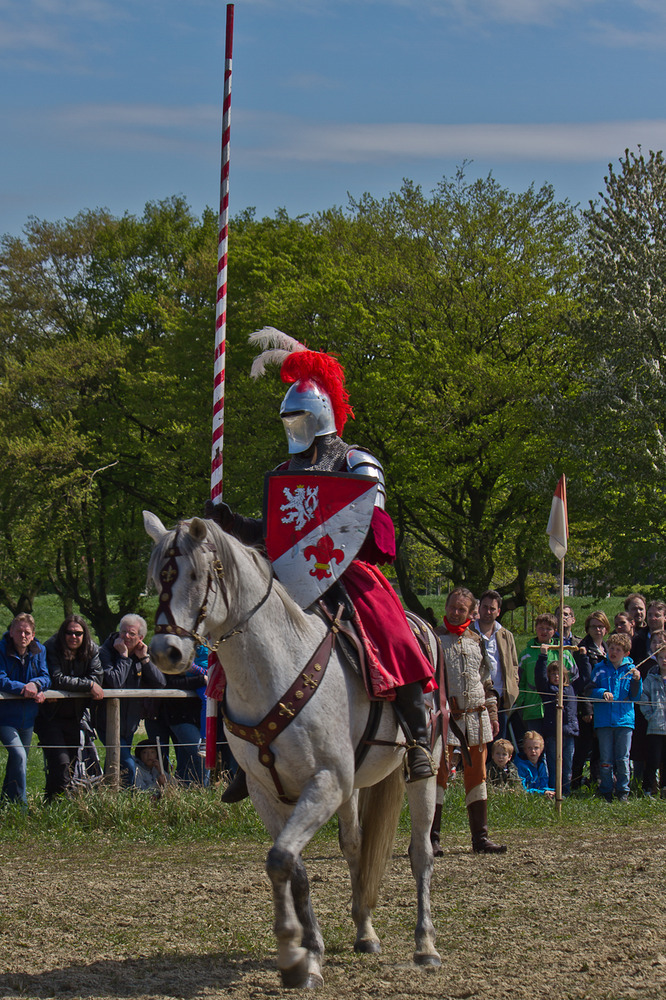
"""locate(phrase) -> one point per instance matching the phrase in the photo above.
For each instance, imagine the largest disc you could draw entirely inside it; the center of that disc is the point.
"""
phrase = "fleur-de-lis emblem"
(323, 552)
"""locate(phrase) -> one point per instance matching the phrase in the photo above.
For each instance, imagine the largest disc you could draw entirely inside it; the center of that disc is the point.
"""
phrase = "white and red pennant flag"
(558, 522)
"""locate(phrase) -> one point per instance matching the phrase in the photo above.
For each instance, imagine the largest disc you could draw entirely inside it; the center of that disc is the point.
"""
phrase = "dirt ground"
(560, 916)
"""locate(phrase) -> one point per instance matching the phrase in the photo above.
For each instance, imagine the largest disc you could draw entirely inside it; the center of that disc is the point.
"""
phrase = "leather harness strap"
(285, 711)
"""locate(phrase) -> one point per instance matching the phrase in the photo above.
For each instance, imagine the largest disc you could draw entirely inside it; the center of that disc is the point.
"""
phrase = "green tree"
(101, 392)
(614, 424)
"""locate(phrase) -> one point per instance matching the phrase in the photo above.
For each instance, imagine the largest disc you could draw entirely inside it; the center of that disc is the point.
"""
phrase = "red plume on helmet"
(298, 364)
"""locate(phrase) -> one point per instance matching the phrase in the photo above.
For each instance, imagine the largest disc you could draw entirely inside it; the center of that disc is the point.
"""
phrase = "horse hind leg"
(379, 811)
(349, 835)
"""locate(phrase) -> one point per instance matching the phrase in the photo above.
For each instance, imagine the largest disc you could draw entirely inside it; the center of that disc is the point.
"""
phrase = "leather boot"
(477, 813)
(434, 832)
(236, 790)
(410, 709)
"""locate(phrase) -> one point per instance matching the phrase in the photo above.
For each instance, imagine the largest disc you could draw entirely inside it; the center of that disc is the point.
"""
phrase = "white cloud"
(262, 139)
(304, 142)
(64, 31)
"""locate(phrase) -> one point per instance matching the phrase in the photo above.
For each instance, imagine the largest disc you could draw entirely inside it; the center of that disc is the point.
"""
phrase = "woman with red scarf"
(473, 706)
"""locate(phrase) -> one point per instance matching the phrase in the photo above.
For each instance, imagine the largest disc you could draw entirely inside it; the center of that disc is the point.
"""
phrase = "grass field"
(198, 814)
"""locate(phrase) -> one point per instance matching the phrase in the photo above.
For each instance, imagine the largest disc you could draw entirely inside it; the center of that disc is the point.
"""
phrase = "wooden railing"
(112, 698)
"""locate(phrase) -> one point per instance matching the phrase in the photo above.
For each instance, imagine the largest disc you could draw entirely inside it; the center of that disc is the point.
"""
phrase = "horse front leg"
(300, 944)
(312, 939)
(421, 796)
(350, 838)
(294, 959)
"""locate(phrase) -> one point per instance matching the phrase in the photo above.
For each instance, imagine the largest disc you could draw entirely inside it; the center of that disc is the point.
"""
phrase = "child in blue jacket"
(615, 686)
(531, 766)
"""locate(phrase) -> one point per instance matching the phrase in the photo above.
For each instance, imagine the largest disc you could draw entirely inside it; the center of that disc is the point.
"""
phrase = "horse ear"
(153, 525)
(198, 529)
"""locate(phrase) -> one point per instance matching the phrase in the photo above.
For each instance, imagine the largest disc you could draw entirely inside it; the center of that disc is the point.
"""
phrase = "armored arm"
(364, 463)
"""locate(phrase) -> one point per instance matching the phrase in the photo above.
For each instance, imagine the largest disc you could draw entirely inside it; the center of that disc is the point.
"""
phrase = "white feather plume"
(277, 345)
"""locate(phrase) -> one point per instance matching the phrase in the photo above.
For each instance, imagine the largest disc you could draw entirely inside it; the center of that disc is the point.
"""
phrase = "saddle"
(337, 602)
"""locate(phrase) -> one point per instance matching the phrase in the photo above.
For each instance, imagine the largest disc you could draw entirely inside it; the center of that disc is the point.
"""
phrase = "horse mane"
(225, 545)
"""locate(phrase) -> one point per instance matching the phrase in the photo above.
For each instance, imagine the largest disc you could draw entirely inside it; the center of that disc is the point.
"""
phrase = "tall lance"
(220, 335)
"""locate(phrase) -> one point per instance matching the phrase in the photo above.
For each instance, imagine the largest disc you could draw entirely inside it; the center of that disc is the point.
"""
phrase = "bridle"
(168, 578)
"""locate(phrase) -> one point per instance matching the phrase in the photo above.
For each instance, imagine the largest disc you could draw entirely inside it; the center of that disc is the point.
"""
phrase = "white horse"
(274, 654)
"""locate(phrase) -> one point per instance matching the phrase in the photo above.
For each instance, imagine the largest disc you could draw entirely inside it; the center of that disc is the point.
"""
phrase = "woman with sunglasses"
(73, 661)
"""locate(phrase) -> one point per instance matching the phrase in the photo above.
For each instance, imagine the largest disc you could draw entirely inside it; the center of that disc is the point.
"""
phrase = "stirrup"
(419, 765)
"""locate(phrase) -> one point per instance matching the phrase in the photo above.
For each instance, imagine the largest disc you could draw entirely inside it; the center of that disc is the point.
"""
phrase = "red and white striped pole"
(222, 254)
(220, 337)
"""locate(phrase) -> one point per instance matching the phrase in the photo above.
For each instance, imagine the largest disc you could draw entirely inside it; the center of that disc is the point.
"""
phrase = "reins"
(168, 577)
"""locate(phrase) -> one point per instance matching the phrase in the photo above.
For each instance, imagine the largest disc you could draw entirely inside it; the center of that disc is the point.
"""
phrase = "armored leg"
(410, 709)
(236, 790)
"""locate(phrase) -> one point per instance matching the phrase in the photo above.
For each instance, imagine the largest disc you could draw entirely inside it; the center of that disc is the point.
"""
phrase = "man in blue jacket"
(23, 672)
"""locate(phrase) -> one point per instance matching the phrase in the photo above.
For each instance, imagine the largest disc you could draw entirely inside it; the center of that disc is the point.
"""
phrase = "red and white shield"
(316, 523)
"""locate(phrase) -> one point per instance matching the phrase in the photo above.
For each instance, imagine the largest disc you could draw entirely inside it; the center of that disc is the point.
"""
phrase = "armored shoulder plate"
(364, 463)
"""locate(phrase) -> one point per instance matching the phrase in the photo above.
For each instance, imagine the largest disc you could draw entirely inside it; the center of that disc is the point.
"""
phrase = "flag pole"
(220, 335)
(560, 700)
(558, 535)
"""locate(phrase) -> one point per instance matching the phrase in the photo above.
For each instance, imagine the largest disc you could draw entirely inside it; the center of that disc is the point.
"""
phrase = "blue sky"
(113, 103)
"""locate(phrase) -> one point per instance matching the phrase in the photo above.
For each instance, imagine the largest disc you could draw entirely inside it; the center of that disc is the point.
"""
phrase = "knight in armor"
(314, 412)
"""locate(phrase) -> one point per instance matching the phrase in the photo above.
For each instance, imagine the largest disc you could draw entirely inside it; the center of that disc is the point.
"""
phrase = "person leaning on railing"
(74, 665)
(23, 672)
(126, 664)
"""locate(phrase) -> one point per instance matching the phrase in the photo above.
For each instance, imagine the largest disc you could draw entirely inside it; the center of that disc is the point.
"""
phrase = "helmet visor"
(300, 428)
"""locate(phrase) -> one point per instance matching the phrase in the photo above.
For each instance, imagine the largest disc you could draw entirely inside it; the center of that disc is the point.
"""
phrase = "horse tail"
(379, 812)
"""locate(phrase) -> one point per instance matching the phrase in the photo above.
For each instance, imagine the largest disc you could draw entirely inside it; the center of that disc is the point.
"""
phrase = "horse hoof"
(427, 960)
(368, 946)
(298, 976)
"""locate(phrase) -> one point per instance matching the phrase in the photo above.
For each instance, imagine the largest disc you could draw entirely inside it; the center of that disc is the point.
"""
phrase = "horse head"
(188, 575)
(205, 580)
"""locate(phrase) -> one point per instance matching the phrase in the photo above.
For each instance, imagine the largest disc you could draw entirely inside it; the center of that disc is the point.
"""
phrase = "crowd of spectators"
(614, 703)
(71, 661)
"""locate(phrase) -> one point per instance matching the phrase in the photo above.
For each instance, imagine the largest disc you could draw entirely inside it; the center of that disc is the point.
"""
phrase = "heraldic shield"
(315, 524)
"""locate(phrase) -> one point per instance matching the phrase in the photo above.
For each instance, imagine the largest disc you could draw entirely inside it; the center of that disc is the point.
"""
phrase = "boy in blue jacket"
(532, 767)
(615, 686)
